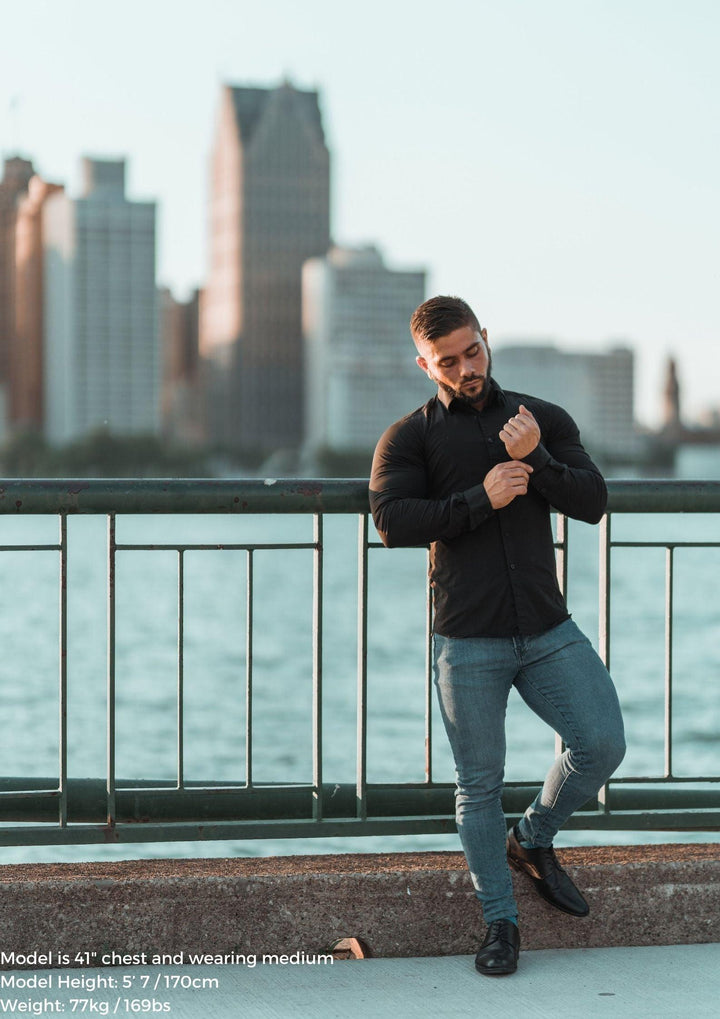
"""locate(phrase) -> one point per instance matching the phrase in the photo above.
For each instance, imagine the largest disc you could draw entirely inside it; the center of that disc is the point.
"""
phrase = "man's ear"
(421, 363)
(483, 333)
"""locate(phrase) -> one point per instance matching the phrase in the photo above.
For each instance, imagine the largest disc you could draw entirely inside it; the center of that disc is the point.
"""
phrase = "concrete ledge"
(405, 904)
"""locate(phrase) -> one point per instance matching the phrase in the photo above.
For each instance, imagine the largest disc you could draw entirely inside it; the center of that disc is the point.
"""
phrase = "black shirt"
(492, 571)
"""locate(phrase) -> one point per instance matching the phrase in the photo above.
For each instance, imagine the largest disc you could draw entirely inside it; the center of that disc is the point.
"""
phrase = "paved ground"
(622, 983)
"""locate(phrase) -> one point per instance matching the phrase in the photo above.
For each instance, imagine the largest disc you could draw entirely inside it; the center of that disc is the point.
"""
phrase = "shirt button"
(490, 439)
(512, 566)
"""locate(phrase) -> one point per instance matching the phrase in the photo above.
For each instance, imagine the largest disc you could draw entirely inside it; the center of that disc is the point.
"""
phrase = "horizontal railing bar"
(663, 496)
(665, 544)
(80, 834)
(28, 786)
(30, 548)
(170, 804)
(26, 793)
(665, 780)
(182, 495)
(226, 546)
(248, 496)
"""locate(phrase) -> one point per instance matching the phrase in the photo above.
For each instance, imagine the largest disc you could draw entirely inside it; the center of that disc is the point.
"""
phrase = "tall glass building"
(102, 352)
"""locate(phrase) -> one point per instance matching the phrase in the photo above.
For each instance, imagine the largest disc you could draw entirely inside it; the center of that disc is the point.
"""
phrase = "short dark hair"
(440, 316)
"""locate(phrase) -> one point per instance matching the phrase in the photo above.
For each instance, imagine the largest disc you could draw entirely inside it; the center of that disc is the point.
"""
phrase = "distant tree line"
(332, 463)
(101, 454)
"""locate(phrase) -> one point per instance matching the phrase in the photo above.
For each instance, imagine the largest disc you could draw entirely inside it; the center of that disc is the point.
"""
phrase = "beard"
(466, 395)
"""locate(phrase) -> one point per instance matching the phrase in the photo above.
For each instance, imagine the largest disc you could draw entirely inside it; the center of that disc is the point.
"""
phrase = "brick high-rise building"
(26, 355)
(14, 184)
(269, 213)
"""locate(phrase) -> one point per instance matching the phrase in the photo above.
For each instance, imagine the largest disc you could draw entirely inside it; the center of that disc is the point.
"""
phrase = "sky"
(555, 163)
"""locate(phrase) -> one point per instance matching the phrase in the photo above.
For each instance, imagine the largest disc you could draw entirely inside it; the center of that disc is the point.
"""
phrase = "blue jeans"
(559, 675)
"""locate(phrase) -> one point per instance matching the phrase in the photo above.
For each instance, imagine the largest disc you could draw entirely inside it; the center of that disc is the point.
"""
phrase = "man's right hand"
(505, 481)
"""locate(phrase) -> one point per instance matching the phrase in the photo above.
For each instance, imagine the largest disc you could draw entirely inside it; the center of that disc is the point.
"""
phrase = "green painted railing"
(63, 810)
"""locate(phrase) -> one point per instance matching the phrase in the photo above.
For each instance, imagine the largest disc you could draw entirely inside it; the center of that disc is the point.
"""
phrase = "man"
(475, 473)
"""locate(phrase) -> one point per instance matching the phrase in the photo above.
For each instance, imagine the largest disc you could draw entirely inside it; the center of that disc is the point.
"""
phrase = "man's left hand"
(520, 434)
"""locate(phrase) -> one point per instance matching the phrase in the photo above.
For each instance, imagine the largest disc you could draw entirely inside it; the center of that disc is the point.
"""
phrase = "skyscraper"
(102, 356)
(14, 184)
(269, 212)
(26, 356)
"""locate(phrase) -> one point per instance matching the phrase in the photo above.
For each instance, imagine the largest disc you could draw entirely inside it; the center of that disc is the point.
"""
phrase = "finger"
(510, 470)
(511, 431)
(519, 425)
(527, 413)
(523, 421)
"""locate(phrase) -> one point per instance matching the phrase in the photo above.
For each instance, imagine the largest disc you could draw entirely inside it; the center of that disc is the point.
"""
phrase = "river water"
(214, 662)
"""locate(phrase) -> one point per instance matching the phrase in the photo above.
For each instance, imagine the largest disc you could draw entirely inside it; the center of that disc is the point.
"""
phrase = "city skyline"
(557, 165)
(85, 330)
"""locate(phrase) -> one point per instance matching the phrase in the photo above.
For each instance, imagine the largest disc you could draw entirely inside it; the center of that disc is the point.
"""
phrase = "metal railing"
(65, 810)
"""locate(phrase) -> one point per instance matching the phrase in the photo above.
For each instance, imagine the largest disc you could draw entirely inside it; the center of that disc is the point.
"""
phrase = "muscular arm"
(403, 513)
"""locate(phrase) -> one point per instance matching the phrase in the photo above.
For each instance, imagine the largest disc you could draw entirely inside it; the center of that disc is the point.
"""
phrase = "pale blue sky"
(557, 163)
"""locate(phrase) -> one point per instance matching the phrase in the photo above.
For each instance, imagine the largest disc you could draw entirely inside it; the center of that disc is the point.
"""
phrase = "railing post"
(361, 775)
(604, 619)
(249, 671)
(181, 671)
(428, 679)
(111, 673)
(669, 577)
(561, 566)
(604, 592)
(561, 553)
(63, 672)
(317, 665)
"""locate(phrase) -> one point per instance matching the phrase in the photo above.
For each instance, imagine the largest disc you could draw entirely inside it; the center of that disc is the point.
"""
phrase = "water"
(215, 645)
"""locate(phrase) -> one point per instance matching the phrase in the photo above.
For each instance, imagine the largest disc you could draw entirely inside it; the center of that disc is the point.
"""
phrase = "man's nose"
(467, 368)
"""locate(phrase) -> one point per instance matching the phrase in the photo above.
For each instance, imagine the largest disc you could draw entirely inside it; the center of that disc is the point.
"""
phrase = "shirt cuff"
(478, 504)
(539, 458)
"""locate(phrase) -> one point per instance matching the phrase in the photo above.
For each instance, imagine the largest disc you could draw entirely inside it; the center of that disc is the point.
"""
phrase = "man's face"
(460, 363)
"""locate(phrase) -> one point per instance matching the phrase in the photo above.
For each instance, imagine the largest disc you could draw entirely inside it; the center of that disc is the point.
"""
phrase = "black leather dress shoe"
(499, 951)
(550, 880)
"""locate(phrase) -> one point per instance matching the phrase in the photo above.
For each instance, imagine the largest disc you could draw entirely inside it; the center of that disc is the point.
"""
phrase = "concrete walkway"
(667, 982)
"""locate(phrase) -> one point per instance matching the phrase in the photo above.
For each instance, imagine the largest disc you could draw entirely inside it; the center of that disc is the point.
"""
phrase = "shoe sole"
(518, 866)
